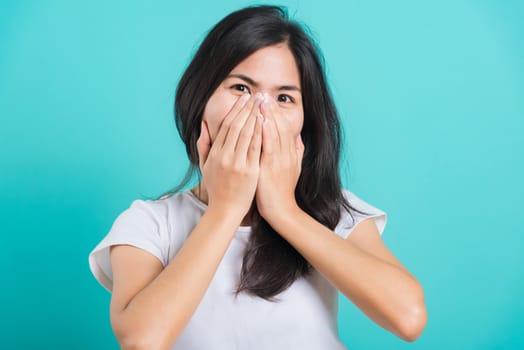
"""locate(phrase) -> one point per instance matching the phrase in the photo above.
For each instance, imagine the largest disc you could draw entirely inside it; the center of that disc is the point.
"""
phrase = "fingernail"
(260, 119)
(267, 101)
(244, 98)
(259, 97)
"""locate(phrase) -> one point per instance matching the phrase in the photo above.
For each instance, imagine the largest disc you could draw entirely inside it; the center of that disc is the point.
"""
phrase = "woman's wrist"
(224, 214)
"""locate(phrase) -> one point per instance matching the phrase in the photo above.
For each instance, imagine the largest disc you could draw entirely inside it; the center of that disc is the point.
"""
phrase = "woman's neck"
(201, 193)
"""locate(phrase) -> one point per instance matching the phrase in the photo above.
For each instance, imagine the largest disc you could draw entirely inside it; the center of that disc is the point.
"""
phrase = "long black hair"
(318, 191)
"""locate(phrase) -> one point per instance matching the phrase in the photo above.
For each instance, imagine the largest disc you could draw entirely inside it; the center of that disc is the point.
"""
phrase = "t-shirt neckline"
(203, 205)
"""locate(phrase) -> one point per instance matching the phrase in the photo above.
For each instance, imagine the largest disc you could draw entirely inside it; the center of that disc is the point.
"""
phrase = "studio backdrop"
(430, 94)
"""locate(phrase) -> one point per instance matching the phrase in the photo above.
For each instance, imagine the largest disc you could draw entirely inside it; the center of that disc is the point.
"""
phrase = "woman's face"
(270, 70)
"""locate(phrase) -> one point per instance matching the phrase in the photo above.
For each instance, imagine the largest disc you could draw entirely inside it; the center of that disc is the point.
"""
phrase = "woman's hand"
(280, 164)
(230, 166)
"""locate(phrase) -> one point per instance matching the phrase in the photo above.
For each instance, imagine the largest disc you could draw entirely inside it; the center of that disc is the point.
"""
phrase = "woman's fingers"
(241, 124)
(203, 144)
(300, 152)
(270, 136)
(242, 103)
(255, 147)
(246, 134)
(285, 137)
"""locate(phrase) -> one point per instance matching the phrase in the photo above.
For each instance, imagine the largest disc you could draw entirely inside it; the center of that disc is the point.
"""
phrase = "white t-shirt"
(305, 318)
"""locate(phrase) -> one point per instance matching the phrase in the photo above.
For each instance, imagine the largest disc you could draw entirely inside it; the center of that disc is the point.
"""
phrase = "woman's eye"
(285, 98)
(240, 87)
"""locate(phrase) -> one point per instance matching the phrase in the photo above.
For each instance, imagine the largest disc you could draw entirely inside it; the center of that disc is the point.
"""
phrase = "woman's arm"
(150, 307)
(366, 273)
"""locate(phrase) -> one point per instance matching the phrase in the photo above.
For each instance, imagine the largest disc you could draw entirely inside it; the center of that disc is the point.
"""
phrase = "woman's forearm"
(386, 293)
(157, 315)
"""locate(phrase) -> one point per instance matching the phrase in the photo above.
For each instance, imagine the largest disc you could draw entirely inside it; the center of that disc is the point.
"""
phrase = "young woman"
(253, 256)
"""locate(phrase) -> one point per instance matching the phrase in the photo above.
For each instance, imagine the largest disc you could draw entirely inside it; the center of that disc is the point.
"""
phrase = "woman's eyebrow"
(255, 84)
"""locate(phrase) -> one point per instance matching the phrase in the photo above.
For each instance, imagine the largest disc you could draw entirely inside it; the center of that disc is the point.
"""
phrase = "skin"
(360, 266)
(251, 150)
(271, 71)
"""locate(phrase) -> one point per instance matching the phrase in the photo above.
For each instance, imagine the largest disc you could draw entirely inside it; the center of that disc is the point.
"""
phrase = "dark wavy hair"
(270, 264)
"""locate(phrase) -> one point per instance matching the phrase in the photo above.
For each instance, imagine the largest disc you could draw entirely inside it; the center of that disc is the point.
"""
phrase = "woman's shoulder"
(358, 201)
(167, 204)
(361, 208)
(147, 224)
(177, 212)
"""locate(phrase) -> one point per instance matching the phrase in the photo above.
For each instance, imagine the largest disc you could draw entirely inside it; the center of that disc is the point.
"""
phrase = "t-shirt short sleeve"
(347, 223)
(141, 225)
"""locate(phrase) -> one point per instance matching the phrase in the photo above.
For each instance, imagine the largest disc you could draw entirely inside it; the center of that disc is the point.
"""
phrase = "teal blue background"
(431, 99)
